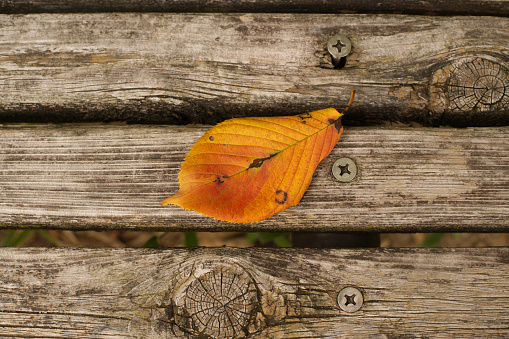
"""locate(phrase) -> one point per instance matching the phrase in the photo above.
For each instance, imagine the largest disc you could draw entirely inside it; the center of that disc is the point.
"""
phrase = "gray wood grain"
(139, 293)
(204, 68)
(114, 177)
(440, 7)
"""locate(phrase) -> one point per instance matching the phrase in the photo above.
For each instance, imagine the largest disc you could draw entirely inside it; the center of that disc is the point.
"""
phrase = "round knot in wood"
(219, 302)
(471, 84)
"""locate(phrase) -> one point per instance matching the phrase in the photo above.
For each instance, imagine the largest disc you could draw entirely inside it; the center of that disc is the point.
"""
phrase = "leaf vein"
(293, 129)
(271, 130)
(275, 123)
(252, 136)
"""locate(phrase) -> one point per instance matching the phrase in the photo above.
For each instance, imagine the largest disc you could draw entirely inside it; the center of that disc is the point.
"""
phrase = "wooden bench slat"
(114, 293)
(114, 177)
(203, 68)
(458, 7)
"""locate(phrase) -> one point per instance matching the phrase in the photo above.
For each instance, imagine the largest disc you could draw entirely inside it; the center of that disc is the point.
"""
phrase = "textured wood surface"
(263, 293)
(114, 177)
(204, 68)
(442, 7)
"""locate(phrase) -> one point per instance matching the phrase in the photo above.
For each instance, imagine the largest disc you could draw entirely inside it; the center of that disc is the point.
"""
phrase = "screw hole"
(338, 63)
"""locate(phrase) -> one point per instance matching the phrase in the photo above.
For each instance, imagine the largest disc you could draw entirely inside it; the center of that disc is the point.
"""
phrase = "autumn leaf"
(248, 169)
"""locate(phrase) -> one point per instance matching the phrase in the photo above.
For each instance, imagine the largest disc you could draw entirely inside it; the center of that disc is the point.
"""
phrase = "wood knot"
(215, 302)
(208, 297)
(477, 84)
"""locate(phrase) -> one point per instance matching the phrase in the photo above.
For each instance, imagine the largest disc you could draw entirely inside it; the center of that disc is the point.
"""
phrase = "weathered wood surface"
(441, 7)
(259, 293)
(204, 68)
(114, 177)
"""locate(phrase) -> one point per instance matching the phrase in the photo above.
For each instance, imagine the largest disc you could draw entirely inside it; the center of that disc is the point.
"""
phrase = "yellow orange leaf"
(248, 169)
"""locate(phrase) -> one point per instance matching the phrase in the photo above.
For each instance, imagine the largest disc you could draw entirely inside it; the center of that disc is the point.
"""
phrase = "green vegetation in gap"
(16, 238)
(190, 239)
(20, 237)
(433, 239)
(280, 239)
(152, 242)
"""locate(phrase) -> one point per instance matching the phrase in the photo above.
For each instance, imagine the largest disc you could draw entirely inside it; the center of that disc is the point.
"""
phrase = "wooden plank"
(283, 293)
(204, 68)
(114, 177)
(429, 7)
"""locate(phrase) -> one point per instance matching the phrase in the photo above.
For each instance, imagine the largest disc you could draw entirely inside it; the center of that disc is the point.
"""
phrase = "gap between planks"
(424, 7)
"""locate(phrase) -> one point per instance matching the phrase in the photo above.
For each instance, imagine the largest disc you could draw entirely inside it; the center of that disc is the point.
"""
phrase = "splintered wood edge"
(175, 293)
(114, 177)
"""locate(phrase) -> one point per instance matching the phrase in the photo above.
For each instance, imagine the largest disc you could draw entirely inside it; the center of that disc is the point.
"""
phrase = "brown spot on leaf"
(337, 123)
(259, 161)
(220, 180)
(211, 138)
(281, 197)
(304, 116)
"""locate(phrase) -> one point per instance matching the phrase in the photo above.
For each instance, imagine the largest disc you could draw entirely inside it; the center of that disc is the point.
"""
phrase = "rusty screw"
(339, 46)
(350, 299)
(344, 169)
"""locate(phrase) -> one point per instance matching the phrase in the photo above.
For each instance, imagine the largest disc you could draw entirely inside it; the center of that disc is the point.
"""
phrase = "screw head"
(344, 169)
(339, 46)
(350, 299)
